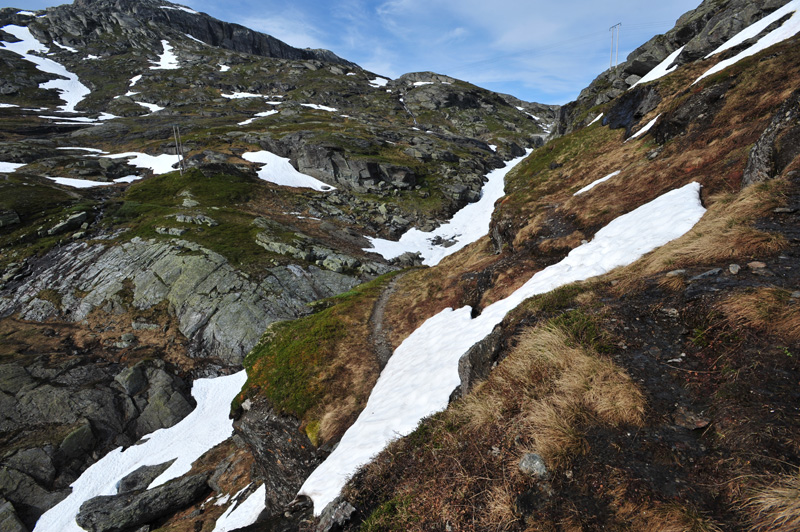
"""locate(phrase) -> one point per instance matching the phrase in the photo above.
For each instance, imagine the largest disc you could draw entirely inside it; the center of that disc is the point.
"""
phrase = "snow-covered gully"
(423, 371)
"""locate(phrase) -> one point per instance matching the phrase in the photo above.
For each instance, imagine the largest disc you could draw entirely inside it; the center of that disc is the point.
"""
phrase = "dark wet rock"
(475, 365)
(631, 107)
(117, 513)
(769, 156)
(284, 455)
(9, 521)
(335, 516)
(8, 217)
(139, 479)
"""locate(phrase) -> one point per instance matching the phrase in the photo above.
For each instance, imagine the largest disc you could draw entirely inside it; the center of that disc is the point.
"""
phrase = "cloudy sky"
(538, 50)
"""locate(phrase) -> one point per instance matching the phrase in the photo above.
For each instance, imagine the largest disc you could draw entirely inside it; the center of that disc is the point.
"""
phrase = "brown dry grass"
(769, 310)
(550, 390)
(776, 507)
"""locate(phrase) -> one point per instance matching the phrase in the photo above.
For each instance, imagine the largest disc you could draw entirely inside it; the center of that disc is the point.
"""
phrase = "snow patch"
(598, 117)
(258, 115)
(420, 376)
(159, 164)
(181, 8)
(421, 83)
(238, 95)
(7, 105)
(595, 183)
(67, 48)
(153, 107)
(319, 107)
(71, 90)
(280, 171)
(224, 68)
(662, 69)
(206, 426)
(645, 129)
(378, 82)
(167, 60)
(786, 31)
(466, 226)
(243, 515)
(10, 167)
(78, 183)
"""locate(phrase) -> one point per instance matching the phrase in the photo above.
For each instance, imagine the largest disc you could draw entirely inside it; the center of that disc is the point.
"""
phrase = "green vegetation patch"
(288, 363)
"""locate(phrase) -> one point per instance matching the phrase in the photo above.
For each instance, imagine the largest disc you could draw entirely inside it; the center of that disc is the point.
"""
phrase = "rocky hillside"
(181, 197)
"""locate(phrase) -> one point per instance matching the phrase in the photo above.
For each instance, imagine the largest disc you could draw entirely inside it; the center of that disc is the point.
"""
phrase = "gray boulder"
(117, 513)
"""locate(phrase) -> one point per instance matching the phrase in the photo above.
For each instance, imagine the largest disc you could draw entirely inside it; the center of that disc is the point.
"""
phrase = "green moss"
(584, 329)
(393, 515)
(53, 296)
(286, 364)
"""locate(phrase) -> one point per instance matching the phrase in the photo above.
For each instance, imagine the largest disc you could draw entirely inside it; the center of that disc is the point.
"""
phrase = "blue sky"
(537, 50)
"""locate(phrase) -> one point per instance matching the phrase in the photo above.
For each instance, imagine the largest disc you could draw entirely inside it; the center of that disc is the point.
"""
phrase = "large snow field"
(419, 378)
(206, 426)
(466, 226)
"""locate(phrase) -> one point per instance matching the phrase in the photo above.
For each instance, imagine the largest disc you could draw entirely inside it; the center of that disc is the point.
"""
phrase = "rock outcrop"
(220, 311)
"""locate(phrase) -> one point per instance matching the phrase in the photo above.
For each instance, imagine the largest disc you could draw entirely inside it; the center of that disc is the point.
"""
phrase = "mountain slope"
(660, 395)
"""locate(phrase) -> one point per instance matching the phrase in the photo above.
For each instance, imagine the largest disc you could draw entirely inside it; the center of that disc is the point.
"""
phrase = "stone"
(335, 515)
(142, 477)
(676, 273)
(734, 269)
(9, 521)
(115, 513)
(756, 265)
(8, 217)
(533, 465)
(706, 275)
(69, 224)
(689, 420)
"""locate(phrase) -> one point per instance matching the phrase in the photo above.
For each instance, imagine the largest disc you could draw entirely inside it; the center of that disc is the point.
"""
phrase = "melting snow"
(466, 226)
(92, 150)
(243, 515)
(421, 83)
(595, 183)
(10, 167)
(135, 80)
(258, 115)
(224, 68)
(378, 82)
(206, 426)
(192, 37)
(787, 30)
(7, 105)
(67, 48)
(645, 129)
(71, 90)
(167, 60)
(280, 171)
(181, 8)
(598, 117)
(238, 95)
(419, 378)
(78, 183)
(662, 69)
(159, 164)
(153, 107)
(319, 107)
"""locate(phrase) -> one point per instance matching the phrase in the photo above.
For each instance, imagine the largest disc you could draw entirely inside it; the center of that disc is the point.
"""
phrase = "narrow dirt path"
(379, 332)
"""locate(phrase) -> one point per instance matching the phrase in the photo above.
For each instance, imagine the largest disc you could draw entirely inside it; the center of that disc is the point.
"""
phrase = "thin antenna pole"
(179, 148)
(616, 27)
